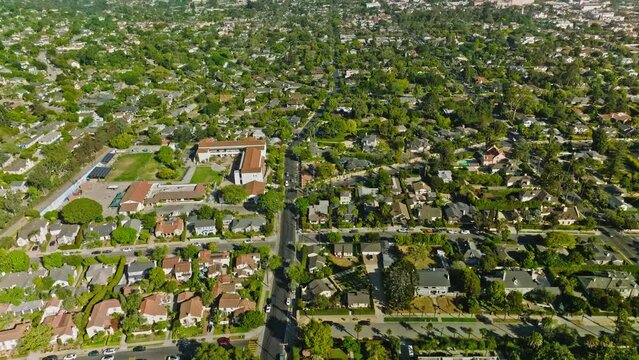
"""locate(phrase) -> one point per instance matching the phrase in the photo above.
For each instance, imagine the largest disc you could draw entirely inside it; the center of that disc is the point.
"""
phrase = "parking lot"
(103, 193)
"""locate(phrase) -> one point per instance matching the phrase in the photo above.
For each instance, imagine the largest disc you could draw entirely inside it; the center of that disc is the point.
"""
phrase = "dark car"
(139, 348)
(50, 357)
(94, 353)
(224, 341)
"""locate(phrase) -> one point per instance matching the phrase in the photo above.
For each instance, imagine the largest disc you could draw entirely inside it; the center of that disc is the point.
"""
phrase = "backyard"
(353, 280)
(206, 175)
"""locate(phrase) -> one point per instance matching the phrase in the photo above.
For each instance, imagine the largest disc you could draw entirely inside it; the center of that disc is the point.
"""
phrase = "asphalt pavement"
(280, 325)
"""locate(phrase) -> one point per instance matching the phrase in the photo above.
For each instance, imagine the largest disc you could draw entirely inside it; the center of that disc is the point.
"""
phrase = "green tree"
(54, 260)
(234, 194)
(358, 329)
(190, 251)
(157, 278)
(14, 261)
(275, 262)
(401, 281)
(554, 351)
(165, 155)
(122, 141)
(124, 235)
(251, 319)
(470, 283)
(600, 141)
(496, 293)
(208, 351)
(166, 174)
(317, 338)
(555, 240)
(271, 202)
(159, 253)
(376, 351)
(36, 339)
(81, 211)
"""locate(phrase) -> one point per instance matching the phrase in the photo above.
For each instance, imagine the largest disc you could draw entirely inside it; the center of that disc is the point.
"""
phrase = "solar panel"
(107, 158)
(99, 172)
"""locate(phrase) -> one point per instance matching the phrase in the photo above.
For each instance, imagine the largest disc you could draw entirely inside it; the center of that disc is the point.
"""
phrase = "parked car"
(108, 357)
(50, 357)
(268, 308)
(288, 301)
(403, 230)
(139, 348)
(173, 357)
(69, 357)
(109, 351)
(94, 353)
(223, 341)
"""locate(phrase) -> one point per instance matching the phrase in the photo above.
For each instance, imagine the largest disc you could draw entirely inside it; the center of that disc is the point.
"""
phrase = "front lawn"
(206, 175)
(186, 332)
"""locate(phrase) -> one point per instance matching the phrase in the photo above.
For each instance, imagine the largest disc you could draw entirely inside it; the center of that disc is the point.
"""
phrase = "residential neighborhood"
(201, 179)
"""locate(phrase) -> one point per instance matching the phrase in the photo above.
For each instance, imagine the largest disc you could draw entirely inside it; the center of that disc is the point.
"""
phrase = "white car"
(288, 301)
(173, 357)
(411, 351)
(109, 351)
(108, 357)
(403, 230)
(126, 249)
(69, 357)
(465, 232)
(268, 308)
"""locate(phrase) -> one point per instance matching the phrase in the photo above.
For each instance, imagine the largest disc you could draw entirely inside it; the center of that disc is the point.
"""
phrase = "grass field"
(418, 255)
(206, 175)
(423, 304)
(446, 305)
(131, 167)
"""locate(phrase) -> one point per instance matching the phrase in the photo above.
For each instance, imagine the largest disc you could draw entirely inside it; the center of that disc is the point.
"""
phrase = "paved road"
(415, 330)
(280, 326)
(627, 245)
(184, 349)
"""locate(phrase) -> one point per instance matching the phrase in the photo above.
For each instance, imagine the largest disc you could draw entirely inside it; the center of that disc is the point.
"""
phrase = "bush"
(81, 211)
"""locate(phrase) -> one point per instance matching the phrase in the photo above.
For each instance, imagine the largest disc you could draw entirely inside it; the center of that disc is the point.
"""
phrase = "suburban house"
(246, 265)
(133, 199)
(63, 276)
(603, 256)
(433, 282)
(358, 299)
(248, 224)
(522, 280)
(182, 271)
(472, 255)
(102, 232)
(371, 249)
(568, 215)
(343, 250)
(35, 231)
(191, 311)
(9, 338)
(203, 227)
(315, 263)
(620, 281)
(101, 319)
(63, 234)
(64, 330)
(459, 212)
(445, 175)
(138, 270)
(318, 214)
(205, 258)
(492, 156)
(234, 304)
(99, 274)
(169, 228)
(345, 197)
(252, 164)
(429, 213)
(23, 279)
(152, 310)
(321, 287)
(399, 212)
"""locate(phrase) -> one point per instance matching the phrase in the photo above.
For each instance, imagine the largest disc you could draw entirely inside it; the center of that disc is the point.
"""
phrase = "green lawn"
(135, 167)
(206, 175)
(131, 167)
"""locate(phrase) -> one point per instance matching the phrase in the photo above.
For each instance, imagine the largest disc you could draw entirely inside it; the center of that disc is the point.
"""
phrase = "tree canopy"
(400, 281)
(81, 211)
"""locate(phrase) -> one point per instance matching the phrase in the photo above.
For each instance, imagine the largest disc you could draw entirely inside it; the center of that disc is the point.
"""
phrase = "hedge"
(99, 296)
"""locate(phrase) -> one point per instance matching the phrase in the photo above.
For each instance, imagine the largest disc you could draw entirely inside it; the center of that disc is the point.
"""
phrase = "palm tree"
(429, 328)
(358, 329)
